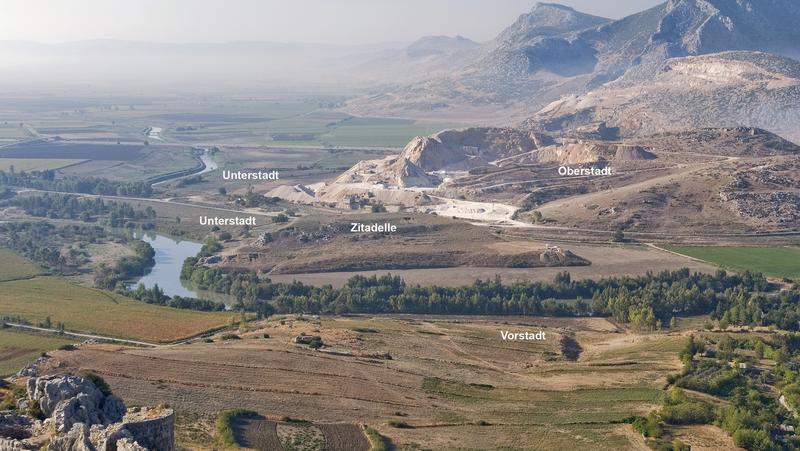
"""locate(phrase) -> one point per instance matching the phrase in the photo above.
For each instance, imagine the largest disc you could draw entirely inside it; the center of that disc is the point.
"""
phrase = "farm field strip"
(36, 164)
(16, 266)
(18, 349)
(772, 261)
(111, 314)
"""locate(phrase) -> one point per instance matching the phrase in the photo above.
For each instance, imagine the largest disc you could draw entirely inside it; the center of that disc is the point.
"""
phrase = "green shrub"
(230, 337)
(649, 426)
(35, 410)
(753, 439)
(400, 425)
(9, 402)
(225, 436)
(376, 441)
(288, 419)
(98, 382)
(688, 413)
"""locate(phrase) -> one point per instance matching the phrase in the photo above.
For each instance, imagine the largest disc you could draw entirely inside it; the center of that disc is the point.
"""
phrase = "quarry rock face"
(471, 147)
(84, 419)
(720, 90)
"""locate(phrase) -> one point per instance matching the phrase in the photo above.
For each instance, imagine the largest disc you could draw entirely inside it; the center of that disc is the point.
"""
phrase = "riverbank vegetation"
(66, 206)
(47, 181)
(646, 302)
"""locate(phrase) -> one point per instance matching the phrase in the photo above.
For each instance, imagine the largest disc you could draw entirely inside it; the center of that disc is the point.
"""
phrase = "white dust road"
(500, 215)
(87, 336)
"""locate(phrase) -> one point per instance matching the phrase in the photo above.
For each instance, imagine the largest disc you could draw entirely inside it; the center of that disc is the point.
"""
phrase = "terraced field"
(447, 382)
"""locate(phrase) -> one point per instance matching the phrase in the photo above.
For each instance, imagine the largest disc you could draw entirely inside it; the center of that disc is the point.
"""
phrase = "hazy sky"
(320, 21)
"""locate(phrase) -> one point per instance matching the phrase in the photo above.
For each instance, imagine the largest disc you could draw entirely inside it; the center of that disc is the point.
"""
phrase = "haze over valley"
(439, 225)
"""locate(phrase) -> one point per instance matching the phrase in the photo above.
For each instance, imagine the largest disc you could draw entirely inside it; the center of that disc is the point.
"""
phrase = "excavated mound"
(390, 171)
(631, 153)
(470, 148)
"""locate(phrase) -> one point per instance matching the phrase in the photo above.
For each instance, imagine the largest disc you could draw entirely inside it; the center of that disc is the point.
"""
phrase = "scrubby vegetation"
(749, 409)
(65, 206)
(42, 243)
(46, 180)
(376, 441)
(225, 437)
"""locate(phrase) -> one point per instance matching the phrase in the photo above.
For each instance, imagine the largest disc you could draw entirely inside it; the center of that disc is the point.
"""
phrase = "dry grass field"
(18, 349)
(607, 261)
(453, 381)
(94, 311)
(16, 266)
(34, 164)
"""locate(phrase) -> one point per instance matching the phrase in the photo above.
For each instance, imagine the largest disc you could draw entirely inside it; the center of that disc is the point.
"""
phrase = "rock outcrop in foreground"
(70, 413)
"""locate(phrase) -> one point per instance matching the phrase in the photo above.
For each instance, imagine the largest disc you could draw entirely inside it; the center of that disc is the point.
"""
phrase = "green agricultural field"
(18, 349)
(318, 130)
(16, 267)
(34, 164)
(94, 311)
(377, 132)
(772, 261)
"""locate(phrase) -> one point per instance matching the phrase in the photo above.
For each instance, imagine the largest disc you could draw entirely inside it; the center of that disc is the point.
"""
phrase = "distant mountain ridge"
(555, 51)
(427, 57)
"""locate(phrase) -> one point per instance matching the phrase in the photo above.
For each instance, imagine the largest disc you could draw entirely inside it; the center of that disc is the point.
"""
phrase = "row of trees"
(46, 180)
(648, 301)
(155, 295)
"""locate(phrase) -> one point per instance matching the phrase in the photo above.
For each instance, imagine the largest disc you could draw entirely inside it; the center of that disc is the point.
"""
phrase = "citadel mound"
(70, 413)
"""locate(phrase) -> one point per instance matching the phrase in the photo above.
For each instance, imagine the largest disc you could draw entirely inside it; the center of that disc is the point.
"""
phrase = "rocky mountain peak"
(693, 27)
(547, 19)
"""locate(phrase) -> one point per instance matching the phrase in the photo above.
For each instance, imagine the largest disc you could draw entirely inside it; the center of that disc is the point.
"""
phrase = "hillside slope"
(722, 90)
(555, 51)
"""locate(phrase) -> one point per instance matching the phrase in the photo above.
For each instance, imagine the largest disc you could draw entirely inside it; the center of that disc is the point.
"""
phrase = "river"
(211, 165)
(170, 254)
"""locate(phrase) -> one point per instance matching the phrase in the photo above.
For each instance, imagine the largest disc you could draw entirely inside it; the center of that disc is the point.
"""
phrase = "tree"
(759, 350)
(222, 191)
(673, 323)
(619, 236)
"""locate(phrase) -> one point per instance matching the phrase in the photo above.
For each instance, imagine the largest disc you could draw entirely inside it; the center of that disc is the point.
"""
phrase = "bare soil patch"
(12, 353)
(256, 432)
(344, 437)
